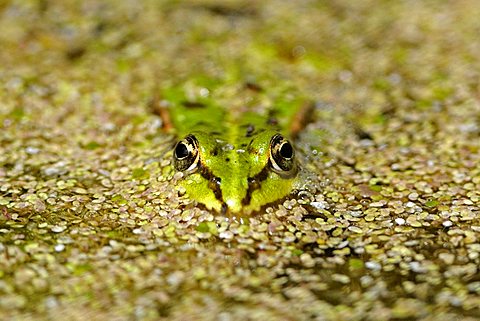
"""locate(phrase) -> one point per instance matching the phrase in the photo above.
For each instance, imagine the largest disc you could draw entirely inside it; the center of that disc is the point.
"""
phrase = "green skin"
(234, 172)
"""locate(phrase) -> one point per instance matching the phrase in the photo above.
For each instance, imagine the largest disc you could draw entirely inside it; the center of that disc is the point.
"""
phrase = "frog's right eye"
(185, 154)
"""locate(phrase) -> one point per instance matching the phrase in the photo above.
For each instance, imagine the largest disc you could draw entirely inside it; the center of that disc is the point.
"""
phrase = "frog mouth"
(215, 185)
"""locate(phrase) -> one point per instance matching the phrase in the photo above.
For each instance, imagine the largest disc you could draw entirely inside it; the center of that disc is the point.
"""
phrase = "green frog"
(234, 160)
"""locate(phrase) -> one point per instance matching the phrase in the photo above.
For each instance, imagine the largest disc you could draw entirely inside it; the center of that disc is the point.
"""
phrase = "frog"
(234, 160)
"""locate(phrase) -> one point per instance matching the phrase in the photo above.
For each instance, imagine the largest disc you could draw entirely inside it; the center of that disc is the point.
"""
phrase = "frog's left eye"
(185, 154)
(282, 154)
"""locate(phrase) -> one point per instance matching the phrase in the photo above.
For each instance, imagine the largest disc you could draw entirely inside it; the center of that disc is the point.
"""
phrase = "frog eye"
(282, 154)
(185, 154)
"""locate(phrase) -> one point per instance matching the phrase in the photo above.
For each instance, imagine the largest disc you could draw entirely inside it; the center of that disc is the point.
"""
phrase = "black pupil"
(181, 151)
(286, 150)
